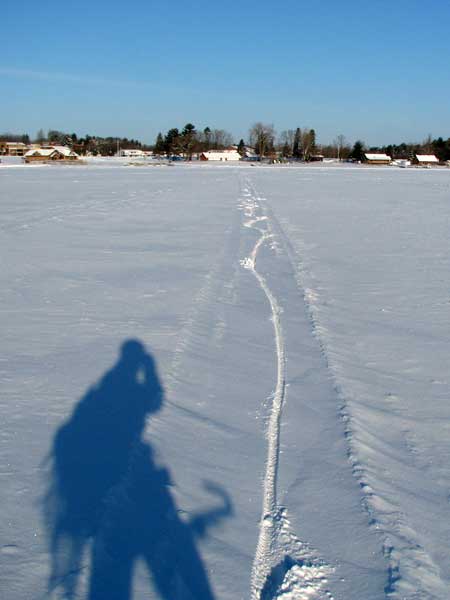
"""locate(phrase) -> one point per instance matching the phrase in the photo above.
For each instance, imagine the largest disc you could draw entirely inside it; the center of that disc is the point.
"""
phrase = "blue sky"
(376, 71)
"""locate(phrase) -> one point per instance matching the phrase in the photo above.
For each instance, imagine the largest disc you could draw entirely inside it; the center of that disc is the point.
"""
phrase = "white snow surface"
(298, 321)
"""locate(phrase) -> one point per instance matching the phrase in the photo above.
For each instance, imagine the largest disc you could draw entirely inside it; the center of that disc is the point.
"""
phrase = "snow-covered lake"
(297, 322)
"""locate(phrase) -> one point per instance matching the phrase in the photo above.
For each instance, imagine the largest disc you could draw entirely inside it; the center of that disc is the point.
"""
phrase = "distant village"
(216, 145)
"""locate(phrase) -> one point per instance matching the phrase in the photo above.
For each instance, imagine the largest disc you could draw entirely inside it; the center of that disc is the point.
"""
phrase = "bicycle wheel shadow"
(107, 493)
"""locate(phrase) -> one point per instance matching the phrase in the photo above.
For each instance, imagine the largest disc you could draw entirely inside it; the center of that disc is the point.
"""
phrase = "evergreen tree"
(188, 140)
(207, 138)
(171, 141)
(357, 152)
(439, 148)
(297, 147)
(159, 147)
(286, 151)
(312, 142)
(40, 136)
(241, 147)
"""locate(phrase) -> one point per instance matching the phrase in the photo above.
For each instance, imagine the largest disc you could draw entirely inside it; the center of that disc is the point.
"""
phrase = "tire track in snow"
(283, 567)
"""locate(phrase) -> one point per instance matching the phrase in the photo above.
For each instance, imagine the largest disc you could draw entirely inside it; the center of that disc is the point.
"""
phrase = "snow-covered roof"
(427, 158)
(377, 156)
(49, 150)
(40, 152)
(65, 150)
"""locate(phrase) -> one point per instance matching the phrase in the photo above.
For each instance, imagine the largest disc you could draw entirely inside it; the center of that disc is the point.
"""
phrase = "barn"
(377, 159)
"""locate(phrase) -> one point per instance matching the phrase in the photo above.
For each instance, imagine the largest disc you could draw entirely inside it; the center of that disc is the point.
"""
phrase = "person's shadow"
(107, 493)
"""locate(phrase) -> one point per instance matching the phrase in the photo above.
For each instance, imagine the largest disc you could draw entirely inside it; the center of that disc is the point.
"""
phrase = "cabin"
(316, 158)
(220, 155)
(425, 160)
(51, 153)
(377, 159)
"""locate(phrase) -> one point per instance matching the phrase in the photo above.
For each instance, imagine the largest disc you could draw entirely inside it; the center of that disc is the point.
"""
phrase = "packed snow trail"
(268, 528)
(281, 567)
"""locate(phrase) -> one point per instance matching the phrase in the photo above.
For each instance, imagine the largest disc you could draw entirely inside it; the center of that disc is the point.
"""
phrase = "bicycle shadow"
(106, 493)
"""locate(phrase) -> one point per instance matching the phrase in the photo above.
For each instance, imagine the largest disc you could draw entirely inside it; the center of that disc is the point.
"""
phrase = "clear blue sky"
(379, 71)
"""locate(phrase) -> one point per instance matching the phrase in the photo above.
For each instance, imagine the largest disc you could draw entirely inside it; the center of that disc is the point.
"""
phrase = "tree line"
(439, 147)
(190, 141)
(296, 144)
(88, 144)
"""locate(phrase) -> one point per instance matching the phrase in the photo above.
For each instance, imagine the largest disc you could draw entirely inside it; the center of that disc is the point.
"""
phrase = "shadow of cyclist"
(106, 492)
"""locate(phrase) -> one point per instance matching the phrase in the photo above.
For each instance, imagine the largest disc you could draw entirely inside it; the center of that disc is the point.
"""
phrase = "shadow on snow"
(107, 494)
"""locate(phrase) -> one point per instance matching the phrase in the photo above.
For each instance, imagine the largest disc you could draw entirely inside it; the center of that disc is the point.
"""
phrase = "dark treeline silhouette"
(108, 500)
(295, 144)
(24, 138)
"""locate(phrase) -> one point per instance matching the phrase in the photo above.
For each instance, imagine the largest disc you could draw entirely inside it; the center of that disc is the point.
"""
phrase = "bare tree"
(40, 136)
(286, 142)
(427, 144)
(340, 142)
(308, 141)
(219, 139)
(262, 137)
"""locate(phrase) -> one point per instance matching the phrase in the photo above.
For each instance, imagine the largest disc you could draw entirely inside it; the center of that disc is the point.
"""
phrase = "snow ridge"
(282, 567)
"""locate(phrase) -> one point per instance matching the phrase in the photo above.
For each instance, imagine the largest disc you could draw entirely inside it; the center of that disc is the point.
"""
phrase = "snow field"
(299, 322)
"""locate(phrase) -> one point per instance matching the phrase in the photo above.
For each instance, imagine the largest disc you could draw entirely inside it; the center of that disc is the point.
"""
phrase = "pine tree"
(286, 151)
(159, 147)
(188, 140)
(312, 143)
(297, 148)
(206, 138)
(357, 152)
(241, 147)
(171, 141)
(40, 136)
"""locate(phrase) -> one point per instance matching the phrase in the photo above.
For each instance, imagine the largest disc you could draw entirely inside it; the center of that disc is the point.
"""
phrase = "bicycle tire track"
(284, 567)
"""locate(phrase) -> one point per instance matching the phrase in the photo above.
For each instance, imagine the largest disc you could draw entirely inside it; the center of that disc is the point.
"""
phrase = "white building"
(132, 153)
(220, 155)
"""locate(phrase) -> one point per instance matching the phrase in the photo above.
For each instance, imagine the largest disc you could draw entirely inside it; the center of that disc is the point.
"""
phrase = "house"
(220, 155)
(51, 153)
(132, 153)
(13, 148)
(425, 160)
(316, 158)
(377, 159)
